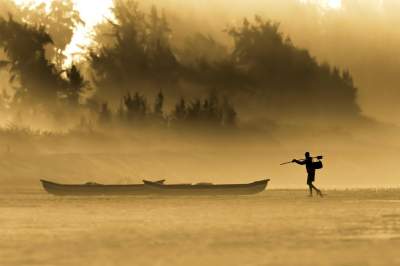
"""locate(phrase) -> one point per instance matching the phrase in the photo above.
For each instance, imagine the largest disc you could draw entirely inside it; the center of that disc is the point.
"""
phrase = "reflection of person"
(308, 161)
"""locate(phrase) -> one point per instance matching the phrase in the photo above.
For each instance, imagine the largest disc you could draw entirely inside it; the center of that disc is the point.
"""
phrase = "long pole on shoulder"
(316, 157)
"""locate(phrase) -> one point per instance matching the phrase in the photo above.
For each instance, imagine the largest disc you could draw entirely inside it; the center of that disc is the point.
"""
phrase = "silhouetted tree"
(160, 55)
(35, 78)
(194, 111)
(140, 51)
(229, 115)
(200, 50)
(76, 84)
(211, 108)
(105, 114)
(286, 76)
(180, 111)
(159, 104)
(209, 112)
(136, 107)
(59, 18)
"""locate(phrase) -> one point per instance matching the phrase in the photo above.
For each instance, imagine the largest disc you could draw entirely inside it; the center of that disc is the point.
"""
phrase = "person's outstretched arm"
(301, 162)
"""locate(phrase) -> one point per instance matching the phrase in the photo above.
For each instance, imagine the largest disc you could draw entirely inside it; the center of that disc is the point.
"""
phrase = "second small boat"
(207, 188)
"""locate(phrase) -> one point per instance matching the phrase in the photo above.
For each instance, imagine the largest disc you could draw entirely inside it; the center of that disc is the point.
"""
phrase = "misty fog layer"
(193, 91)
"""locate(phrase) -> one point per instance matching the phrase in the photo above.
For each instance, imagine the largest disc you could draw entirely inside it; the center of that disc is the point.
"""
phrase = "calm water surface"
(348, 227)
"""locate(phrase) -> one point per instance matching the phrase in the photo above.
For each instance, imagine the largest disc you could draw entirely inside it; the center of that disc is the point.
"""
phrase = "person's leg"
(317, 190)
(310, 185)
(310, 180)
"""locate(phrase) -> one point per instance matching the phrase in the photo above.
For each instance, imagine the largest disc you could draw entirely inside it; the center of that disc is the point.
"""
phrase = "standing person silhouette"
(310, 166)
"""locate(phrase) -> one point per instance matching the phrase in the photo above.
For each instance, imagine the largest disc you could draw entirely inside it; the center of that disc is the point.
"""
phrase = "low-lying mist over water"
(191, 91)
(214, 156)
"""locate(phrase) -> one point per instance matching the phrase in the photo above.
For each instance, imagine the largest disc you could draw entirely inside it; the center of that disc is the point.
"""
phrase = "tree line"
(135, 110)
(133, 55)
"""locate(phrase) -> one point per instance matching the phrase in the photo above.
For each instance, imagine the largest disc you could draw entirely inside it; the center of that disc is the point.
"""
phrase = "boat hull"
(94, 189)
(149, 188)
(208, 189)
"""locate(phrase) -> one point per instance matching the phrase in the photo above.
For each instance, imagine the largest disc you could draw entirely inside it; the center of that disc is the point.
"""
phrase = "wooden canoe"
(93, 189)
(207, 189)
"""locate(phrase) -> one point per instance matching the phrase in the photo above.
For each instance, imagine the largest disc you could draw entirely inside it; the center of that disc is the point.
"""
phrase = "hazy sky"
(361, 35)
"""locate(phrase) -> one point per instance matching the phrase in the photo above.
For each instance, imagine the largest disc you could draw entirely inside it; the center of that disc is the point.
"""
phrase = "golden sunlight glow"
(92, 13)
(335, 4)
